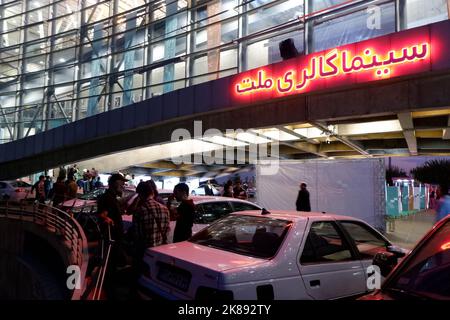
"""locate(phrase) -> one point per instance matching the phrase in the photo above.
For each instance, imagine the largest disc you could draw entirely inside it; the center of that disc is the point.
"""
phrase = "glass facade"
(63, 60)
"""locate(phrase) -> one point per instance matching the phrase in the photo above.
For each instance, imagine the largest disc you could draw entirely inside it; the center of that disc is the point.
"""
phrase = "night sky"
(408, 163)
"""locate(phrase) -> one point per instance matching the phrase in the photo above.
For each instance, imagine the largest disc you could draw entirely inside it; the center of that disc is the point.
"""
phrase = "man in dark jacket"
(302, 202)
(185, 213)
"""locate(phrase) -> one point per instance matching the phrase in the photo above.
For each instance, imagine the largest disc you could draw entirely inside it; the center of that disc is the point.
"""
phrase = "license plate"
(174, 276)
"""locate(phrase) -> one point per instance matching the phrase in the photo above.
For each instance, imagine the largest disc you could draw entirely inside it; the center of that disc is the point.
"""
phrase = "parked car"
(200, 191)
(424, 274)
(207, 210)
(15, 191)
(266, 255)
(89, 200)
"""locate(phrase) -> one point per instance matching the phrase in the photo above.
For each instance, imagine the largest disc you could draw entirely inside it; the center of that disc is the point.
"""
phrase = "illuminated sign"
(332, 64)
(403, 53)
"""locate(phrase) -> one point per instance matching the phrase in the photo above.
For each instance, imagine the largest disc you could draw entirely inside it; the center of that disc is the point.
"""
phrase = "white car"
(260, 255)
(15, 191)
(207, 210)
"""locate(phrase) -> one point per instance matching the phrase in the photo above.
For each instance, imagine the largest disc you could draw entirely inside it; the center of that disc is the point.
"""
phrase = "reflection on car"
(424, 274)
(266, 255)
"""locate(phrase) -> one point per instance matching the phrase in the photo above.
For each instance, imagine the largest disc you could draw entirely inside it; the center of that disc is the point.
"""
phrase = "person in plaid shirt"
(150, 220)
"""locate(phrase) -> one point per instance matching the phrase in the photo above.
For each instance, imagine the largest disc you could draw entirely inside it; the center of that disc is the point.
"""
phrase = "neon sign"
(332, 64)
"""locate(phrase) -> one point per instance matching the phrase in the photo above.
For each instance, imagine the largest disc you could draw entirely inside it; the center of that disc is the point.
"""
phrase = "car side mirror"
(386, 261)
(397, 251)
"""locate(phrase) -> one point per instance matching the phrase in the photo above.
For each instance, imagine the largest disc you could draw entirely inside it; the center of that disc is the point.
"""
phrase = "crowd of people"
(150, 227)
(66, 185)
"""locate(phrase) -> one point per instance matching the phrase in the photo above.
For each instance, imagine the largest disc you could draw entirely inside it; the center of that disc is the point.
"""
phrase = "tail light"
(19, 190)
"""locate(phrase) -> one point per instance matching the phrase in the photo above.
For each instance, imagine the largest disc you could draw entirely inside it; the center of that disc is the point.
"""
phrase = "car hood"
(206, 257)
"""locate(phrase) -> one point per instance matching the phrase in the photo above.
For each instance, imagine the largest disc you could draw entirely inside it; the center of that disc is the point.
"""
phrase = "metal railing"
(59, 223)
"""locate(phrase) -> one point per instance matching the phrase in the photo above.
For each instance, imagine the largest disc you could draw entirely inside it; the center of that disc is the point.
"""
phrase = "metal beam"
(305, 147)
(407, 124)
(352, 144)
(293, 133)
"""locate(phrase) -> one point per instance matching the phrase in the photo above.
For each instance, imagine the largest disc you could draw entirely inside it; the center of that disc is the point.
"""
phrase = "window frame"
(352, 241)
(351, 246)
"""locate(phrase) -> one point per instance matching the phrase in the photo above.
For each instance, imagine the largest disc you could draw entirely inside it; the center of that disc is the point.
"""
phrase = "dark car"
(424, 274)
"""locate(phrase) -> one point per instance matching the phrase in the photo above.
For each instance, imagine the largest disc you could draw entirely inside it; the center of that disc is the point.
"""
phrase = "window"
(427, 273)
(352, 28)
(367, 242)
(422, 12)
(325, 244)
(3, 185)
(242, 206)
(210, 212)
(246, 235)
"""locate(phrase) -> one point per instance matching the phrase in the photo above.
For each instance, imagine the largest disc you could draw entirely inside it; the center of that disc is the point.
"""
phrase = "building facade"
(65, 60)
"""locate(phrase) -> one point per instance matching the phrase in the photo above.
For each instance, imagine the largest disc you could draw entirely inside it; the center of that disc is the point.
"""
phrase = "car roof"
(203, 199)
(295, 215)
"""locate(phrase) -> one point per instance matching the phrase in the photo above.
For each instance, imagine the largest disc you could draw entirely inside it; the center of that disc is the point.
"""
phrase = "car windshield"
(247, 235)
(20, 184)
(427, 273)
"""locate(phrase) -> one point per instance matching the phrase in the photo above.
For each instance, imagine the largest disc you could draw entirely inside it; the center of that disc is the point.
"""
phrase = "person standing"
(239, 192)
(39, 186)
(302, 202)
(48, 184)
(72, 188)
(185, 213)
(109, 212)
(150, 220)
(443, 206)
(59, 191)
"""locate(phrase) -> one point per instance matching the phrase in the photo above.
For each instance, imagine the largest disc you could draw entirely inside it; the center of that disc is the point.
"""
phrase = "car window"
(2, 185)
(247, 235)
(212, 211)
(20, 184)
(325, 244)
(427, 273)
(367, 241)
(242, 206)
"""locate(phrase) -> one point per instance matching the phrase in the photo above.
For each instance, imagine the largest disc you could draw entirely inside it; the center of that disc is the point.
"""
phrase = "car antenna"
(264, 211)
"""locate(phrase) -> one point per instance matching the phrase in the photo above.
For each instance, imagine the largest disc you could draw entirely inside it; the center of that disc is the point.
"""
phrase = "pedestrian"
(150, 220)
(156, 195)
(59, 191)
(185, 213)
(433, 198)
(72, 188)
(239, 192)
(39, 186)
(109, 212)
(443, 206)
(47, 186)
(302, 202)
(228, 189)
(209, 188)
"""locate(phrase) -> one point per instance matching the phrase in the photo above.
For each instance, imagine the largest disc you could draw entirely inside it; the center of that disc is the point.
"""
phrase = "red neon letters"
(332, 64)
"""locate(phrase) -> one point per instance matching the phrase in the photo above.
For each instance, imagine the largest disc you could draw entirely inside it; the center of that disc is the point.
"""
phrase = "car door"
(329, 264)
(368, 242)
